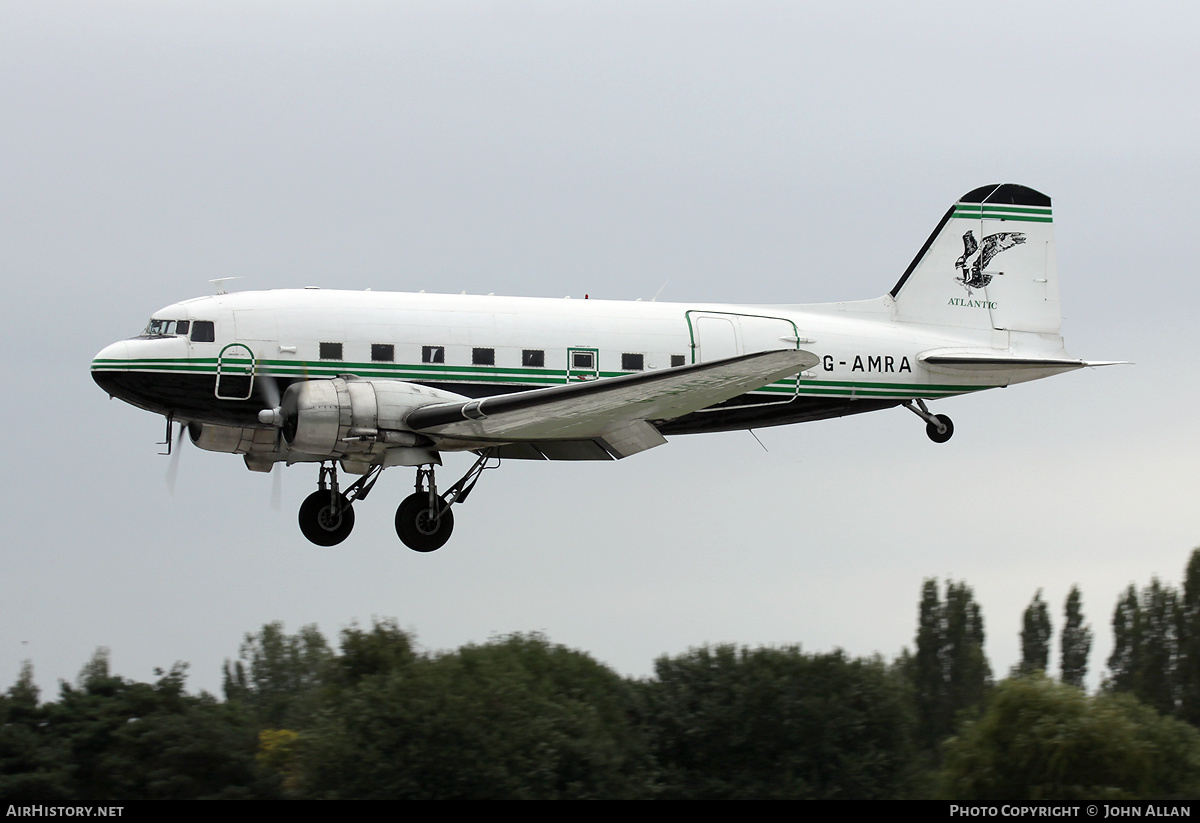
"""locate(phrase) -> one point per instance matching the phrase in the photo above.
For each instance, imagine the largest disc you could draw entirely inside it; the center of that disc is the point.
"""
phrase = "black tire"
(320, 524)
(935, 435)
(418, 528)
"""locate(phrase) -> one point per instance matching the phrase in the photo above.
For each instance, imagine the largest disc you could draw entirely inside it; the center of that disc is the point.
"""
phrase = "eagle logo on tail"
(975, 258)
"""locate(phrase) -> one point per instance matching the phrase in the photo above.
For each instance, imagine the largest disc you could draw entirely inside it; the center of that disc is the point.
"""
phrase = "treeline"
(521, 717)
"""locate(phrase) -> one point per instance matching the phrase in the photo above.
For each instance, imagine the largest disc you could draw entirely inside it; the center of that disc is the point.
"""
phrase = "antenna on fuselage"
(220, 282)
(660, 290)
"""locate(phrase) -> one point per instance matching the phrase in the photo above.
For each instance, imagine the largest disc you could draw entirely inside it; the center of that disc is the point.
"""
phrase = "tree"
(1076, 641)
(1157, 678)
(1189, 642)
(1146, 647)
(1126, 657)
(951, 673)
(729, 723)
(386, 648)
(32, 769)
(1035, 636)
(1042, 740)
(514, 718)
(928, 674)
(277, 675)
(109, 739)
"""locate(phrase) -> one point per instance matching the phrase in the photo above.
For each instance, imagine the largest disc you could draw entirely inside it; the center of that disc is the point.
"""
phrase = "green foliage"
(1126, 657)
(514, 718)
(1035, 637)
(1189, 642)
(1146, 647)
(109, 739)
(950, 673)
(1076, 641)
(1156, 682)
(276, 676)
(1042, 740)
(732, 723)
(386, 648)
(31, 768)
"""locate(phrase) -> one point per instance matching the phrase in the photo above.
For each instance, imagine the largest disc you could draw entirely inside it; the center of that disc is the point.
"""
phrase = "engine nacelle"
(345, 416)
(231, 439)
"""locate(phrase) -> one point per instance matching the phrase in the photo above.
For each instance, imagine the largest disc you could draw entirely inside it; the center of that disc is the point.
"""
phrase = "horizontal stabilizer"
(616, 411)
(1007, 362)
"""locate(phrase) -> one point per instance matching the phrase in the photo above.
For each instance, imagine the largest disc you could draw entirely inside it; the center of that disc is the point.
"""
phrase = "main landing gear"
(424, 520)
(937, 426)
(326, 515)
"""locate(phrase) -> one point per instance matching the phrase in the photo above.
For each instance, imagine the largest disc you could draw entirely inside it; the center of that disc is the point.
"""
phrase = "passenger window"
(582, 360)
(433, 354)
(204, 331)
(331, 351)
(534, 358)
(633, 362)
(483, 357)
(383, 352)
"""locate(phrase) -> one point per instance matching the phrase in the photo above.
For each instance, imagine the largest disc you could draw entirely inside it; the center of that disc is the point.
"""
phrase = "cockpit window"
(165, 328)
(204, 331)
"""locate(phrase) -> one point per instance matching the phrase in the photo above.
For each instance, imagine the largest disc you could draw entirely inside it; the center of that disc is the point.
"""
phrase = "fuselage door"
(714, 336)
(235, 372)
(582, 364)
(717, 335)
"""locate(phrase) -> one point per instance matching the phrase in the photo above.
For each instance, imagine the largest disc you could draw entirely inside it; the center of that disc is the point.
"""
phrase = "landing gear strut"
(423, 519)
(326, 515)
(938, 427)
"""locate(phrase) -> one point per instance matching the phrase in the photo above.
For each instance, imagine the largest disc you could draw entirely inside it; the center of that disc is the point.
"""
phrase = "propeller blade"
(268, 390)
(277, 487)
(173, 465)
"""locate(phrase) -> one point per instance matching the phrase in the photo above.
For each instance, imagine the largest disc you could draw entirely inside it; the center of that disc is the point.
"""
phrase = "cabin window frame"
(483, 356)
(633, 361)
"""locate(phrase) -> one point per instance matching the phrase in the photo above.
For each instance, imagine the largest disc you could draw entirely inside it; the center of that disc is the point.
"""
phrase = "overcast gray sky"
(736, 152)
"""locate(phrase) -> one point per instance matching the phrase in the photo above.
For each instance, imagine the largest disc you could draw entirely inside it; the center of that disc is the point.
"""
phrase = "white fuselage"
(482, 345)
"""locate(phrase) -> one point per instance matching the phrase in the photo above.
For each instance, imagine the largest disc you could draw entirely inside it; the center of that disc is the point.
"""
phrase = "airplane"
(369, 380)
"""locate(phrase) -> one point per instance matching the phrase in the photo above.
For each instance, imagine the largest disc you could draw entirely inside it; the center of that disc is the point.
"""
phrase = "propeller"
(277, 487)
(173, 464)
(269, 390)
(273, 415)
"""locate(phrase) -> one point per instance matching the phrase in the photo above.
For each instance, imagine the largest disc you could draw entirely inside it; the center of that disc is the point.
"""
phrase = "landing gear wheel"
(321, 524)
(931, 429)
(419, 527)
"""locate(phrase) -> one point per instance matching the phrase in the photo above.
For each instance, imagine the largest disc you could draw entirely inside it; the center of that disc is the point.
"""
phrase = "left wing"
(617, 412)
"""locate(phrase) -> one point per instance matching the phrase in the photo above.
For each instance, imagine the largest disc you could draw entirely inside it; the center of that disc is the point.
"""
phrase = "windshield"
(166, 328)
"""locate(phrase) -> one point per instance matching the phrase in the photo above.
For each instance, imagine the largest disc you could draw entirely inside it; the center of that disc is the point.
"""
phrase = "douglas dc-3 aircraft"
(376, 379)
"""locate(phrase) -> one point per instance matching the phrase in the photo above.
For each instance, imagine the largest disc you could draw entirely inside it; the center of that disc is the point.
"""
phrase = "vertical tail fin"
(988, 264)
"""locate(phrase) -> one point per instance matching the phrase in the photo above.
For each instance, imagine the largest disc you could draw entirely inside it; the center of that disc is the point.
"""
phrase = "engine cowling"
(342, 416)
(230, 439)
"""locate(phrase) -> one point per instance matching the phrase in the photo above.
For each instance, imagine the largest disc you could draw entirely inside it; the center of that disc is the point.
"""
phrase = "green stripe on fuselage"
(427, 372)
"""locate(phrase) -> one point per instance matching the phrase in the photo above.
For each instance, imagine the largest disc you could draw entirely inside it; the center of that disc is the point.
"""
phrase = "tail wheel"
(323, 523)
(420, 527)
(936, 436)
